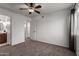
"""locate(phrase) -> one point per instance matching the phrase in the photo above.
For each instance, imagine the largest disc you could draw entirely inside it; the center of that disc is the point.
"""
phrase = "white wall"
(53, 28)
(18, 35)
(17, 26)
(77, 29)
(77, 38)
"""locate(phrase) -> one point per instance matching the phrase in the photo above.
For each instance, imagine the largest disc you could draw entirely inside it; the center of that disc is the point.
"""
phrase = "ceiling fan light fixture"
(31, 10)
(32, 7)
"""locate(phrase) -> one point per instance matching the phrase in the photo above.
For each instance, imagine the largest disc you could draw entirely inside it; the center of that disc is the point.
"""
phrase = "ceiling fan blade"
(31, 4)
(37, 11)
(39, 6)
(26, 4)
(23, 8)
(30, 12)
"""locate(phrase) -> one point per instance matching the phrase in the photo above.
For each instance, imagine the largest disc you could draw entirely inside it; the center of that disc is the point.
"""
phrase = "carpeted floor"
(35, 48)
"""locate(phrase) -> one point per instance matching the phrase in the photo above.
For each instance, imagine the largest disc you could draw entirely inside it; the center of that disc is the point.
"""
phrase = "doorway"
(4, 30)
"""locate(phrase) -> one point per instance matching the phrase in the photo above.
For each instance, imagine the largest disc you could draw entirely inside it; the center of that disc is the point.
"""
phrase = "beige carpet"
(35, 48)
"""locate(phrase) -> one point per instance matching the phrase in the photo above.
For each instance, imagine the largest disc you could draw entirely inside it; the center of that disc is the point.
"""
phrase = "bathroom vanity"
(3, 37)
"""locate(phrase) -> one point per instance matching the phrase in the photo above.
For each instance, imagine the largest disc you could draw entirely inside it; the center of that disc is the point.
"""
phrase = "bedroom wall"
(77, 37)
(17, 26)
(77, 28)
(53, 28)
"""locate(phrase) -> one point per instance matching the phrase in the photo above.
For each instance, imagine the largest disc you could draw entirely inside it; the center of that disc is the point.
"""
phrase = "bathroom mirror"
(1, 27)
(4, 22)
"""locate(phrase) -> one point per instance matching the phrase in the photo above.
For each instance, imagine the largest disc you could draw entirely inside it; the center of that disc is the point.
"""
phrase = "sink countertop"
(2, 32)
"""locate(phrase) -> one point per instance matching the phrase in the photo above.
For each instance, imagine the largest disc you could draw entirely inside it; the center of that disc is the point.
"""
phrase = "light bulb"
(31, 10)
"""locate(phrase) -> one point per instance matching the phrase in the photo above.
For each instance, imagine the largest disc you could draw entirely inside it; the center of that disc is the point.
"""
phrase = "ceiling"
(46, 7)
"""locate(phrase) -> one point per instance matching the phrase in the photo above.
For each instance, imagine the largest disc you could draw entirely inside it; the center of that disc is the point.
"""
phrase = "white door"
(27, 30)
(33, 31)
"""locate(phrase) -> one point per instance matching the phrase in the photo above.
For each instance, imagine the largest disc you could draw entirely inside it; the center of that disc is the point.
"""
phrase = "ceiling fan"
(32, 7)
